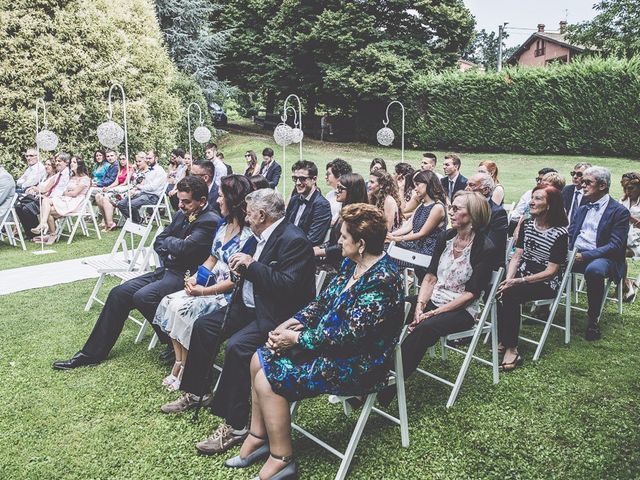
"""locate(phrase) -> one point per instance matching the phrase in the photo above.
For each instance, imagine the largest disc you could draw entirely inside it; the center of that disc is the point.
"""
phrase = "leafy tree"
(194, 46)
(615, 29)
(483, 50)
(342, 54)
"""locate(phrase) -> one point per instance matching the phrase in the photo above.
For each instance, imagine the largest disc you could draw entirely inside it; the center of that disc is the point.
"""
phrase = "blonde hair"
(477, 206)
(554, 179)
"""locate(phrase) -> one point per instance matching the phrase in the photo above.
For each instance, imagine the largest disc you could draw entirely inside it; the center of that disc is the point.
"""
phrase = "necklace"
(457, 248)
(355, 275)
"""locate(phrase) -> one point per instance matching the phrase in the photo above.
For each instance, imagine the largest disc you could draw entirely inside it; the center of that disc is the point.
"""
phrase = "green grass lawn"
(574, 414)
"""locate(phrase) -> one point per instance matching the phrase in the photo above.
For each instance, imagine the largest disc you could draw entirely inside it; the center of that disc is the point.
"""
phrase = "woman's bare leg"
(108, 213)
(257, 427)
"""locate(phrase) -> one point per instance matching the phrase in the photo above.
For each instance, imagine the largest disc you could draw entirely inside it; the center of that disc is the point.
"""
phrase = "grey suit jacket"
(7, 190)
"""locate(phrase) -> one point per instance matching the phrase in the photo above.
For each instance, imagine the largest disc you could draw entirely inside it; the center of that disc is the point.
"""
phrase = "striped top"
(541, 247)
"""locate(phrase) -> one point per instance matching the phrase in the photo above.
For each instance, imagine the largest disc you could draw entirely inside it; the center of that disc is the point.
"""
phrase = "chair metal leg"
(494, 344)
(141, 332)
(153, 342)
(567, 312)
(355, 437)
(402, 399)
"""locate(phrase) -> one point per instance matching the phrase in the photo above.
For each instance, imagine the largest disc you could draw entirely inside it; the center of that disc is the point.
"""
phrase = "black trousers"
(231, 401)
(143, 293)
(429, 332)
(27, 218)
(595, 273)
(509, 309)
(136, 203)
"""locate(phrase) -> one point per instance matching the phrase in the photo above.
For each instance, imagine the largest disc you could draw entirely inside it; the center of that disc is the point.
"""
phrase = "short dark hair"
(305, 165)
(403, 168)
(339, 167)
(210, 146)
(207, 165)
(259, 182)
(267, 152)
(220, 155)
(366, 222)
(454, 158)
(234, 189)
(430, 155)
(178, 152)
(545, 170)
(195, 186)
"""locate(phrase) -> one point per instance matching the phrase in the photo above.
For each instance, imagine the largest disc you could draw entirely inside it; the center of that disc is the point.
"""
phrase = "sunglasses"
(341, 188)
(587, 182)
(575, 174)
(246, 155)
(300, 179)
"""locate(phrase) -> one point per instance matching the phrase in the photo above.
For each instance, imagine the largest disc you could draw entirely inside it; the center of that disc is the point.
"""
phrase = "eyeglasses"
(30, 155)
(340, 188)
(300, 179)
(587, 182)
(454, 208)
(575, 174)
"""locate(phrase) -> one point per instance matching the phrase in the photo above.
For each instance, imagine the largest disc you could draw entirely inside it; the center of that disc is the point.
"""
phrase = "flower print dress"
(178, 311)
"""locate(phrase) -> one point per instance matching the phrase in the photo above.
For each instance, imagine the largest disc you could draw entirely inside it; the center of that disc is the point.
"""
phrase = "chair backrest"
(7, 214)
(408, 256)
(494, 283)
(508, 251)
(137, 234)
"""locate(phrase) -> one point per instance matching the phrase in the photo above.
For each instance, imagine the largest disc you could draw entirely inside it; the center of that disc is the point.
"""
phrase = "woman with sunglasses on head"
(429, 220)
(350, 189)
(253, 167)
(534, 271)
(460, 270)
(631, 200)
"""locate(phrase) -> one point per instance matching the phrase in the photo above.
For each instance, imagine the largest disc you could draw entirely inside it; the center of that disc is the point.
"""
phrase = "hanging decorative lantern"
(47, 140)
(283, 134)
(202, 134)
(296, 135)
(110, 134)
(385, 136)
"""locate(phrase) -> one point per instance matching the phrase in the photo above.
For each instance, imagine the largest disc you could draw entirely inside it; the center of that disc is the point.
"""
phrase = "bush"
(69, 53)
(587, 107)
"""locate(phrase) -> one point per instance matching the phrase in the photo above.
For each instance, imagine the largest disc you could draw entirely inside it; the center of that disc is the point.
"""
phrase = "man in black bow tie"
(308, 209)
(182, 246)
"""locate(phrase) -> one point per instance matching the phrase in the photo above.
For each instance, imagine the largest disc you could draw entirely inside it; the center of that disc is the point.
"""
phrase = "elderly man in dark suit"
(182, 246)
(276, 282)
(453, 180)
(308, 209)
(599, 234)
(498, 225)
(270, 169)
(572, 194)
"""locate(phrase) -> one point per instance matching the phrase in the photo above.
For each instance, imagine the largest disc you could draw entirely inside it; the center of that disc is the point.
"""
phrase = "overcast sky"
(527, 14)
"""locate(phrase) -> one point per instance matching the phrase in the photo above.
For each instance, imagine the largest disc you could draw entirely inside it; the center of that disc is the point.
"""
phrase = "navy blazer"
(611, 239)
(496, 231)
(316, 218)
(567, 197)
(183, 246)
(273, 174)
(110, 176)
(461, 184)
(283, 277)
(212, 200)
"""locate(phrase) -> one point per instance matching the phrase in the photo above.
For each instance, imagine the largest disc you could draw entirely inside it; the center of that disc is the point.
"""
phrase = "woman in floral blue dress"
(178, 311)
(341, 343)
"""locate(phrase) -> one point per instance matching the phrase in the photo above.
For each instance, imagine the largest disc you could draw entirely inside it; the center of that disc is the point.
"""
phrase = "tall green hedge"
(69, 52)
(588, 107)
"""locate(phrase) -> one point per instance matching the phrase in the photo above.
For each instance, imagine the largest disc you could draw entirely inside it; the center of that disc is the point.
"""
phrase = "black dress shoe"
(167, 353)
(78, 360)
(592, 333)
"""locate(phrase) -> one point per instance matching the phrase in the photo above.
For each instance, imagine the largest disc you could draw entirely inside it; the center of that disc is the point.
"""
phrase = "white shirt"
(247, 287)
(521, 207)
(301, 209)
(61, 187)
(589, 231)
(336, 206)
(154, 181)
(32, 176)
(220, 171)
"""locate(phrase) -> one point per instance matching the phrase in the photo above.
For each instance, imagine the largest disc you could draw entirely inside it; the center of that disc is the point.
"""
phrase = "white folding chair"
(563, 291)
(408, 257)
(320, 278)
(123, 257)
(163, 203)
(7, 223)
(509, 251)
(579, 285)
(508, 207)
(67, 222)
(482, 326)
(396, 378)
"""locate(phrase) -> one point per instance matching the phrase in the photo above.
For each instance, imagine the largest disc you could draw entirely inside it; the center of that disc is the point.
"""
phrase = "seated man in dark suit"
(453, 180)
(599, 233)
(308, 209)
(497, 228)
(206, 171)
(270, 169)
(276, 282)
(572, 194)
(182, 246)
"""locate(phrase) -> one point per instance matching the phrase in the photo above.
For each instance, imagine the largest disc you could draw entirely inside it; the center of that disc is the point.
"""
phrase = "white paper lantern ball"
(282, 134)
(202, 134)
(47, 140)
(296, 135)
(110, 134)
(385, 136)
